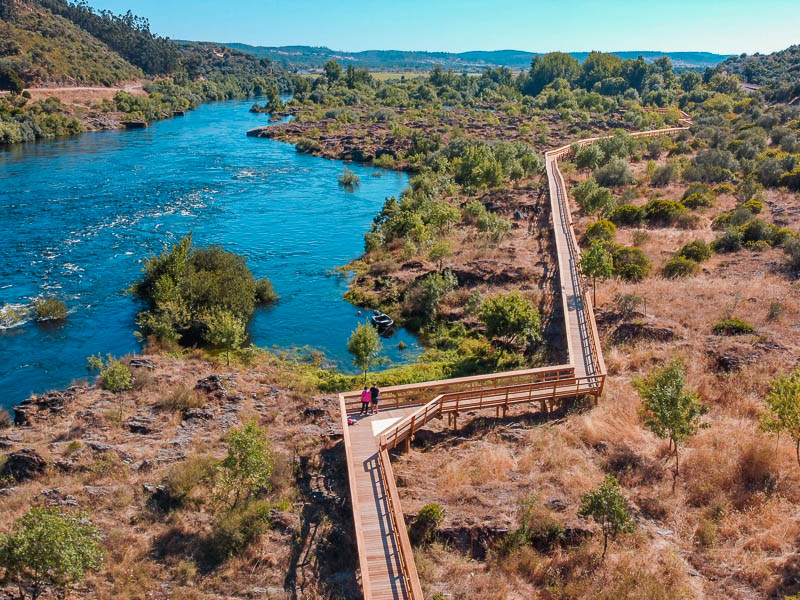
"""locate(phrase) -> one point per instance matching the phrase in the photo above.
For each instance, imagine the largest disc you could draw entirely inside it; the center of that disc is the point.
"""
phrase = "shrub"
(662, 212)
(754, 206)
(697, 251)
(615, 173)
(601, 231)
(307, 145)
(792, 249)
(730, 241)
(627, 304)
(181, 398)
(680, 266)
(348, 179)
(511, 317)
(183, 479)
(640, 237)
(592, 198)
(756, 231)
(50, 549)
(225, 331)
(5, 419)
(609, 509)
(733, 326)
(783, 408)
(265, 291)
(627, 215)
(423, 529)
(664, 175)
(49, 309)
(791, 180)
(114, 376)
(631, 264)
(696, 201)
(235, 530)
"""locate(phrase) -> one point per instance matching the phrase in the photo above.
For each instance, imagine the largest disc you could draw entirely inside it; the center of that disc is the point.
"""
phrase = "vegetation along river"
(79, 217)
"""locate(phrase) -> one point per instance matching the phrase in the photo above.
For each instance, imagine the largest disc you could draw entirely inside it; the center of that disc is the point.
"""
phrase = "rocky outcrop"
(43, 407)
(633, 332)
(23, 465)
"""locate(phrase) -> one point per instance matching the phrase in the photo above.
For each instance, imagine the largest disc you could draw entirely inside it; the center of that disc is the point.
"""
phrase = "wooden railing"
(545, 392)
(416, 394)
(407, 564)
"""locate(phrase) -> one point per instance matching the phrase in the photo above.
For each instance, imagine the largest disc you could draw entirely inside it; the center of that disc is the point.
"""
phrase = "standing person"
(375, 393)
(365, 398)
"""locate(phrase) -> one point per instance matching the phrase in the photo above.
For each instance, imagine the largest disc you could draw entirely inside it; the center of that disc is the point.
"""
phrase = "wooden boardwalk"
(385, 556)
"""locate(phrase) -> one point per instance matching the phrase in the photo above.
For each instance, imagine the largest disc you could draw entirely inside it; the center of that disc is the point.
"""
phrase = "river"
(80, 215)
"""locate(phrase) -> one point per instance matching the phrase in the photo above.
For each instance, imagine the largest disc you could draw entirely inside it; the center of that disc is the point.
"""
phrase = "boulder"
(141, 423)
(142, 363)
(631, 332)
(23, 465)
(215, 386)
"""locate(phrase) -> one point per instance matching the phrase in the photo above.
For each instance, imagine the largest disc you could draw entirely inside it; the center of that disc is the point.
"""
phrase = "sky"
(722, 26)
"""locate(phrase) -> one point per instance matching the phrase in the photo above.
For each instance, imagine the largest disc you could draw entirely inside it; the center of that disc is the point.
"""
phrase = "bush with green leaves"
(589, 157)
(733, 326)
(662, 212)
(665, 174)
(616, 172)
(537, 529)
(247, 468)
(348, 179)
(631, 264)
(696, 250)
(113, 375)
(792, 249)
(50, 549)
(628, 214)
(594, 199)
(186, 285)
(423, 529)
(512, 318)
(602, 231)
(679, 266)
(235, 529)
(730, 241)
(608, 508)
(49, 309)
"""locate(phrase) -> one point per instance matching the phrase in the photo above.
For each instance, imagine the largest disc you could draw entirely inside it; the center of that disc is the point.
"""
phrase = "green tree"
(48, 549)
(511, 317)
(247, 468)
(225, 331)
(114, 377)
(365, 345)
(441, 250)
(589, 157)
(783, 408)
(9, 80)
(597, 263)
(669, 409)
(547, 68)
(608, 508)
(333, 71)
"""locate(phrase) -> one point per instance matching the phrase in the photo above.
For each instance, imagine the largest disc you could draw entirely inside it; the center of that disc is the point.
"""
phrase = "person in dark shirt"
(375, 394)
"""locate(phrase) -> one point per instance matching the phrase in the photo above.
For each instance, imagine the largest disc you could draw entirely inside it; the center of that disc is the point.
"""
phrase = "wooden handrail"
(407, 564)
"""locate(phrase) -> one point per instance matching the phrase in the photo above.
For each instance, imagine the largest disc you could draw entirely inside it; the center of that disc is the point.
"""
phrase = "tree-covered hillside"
(45, 48)
(779, 70)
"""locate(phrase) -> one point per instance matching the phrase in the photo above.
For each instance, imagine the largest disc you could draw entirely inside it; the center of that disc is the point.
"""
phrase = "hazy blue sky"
(722, 26)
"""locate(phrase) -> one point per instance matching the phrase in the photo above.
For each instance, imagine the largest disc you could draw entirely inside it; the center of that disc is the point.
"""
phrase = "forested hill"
(779, 70)
(307, 57)
(55, 42)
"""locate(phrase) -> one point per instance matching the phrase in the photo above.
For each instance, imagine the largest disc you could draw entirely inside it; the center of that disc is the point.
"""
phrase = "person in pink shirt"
(365, 400)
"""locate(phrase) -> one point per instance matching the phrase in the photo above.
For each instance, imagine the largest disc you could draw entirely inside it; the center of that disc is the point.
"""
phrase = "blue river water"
(79, 216)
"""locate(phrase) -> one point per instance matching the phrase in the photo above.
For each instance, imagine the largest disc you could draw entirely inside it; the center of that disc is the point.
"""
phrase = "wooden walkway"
(385, 556)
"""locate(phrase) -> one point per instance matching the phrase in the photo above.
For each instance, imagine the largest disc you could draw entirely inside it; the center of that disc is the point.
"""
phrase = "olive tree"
(365, 345)
(669, 409)
(608, 508)
(783, 408)
(49, 549)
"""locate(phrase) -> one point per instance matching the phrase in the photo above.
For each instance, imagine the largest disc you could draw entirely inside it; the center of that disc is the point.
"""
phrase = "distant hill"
(765, 69)
(57, 43)
(310, 57)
